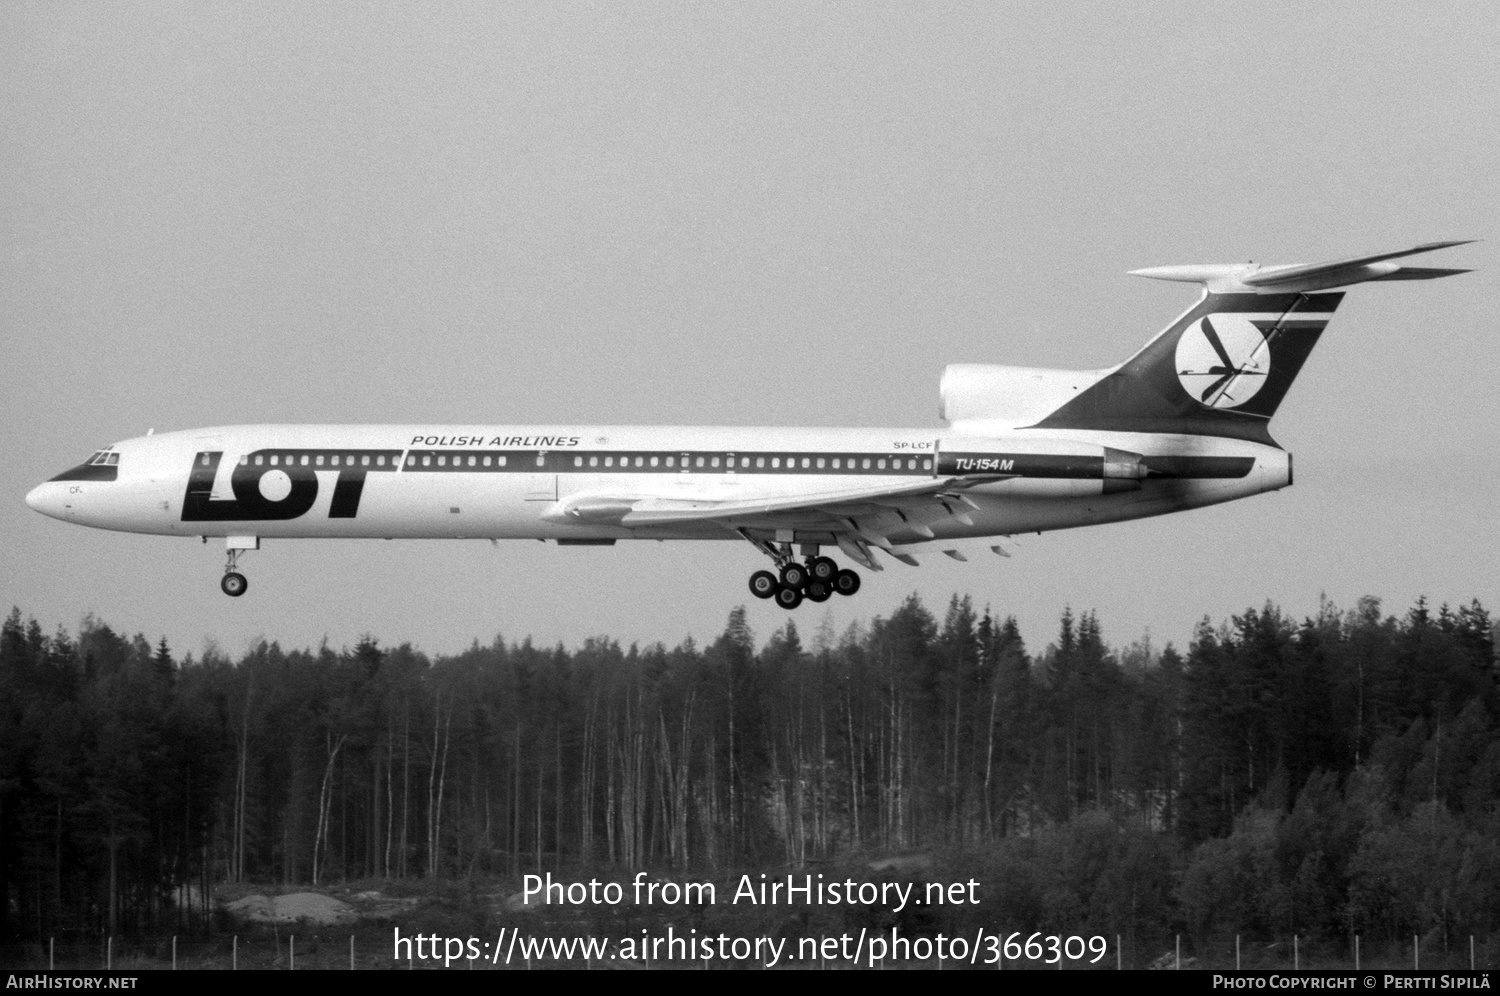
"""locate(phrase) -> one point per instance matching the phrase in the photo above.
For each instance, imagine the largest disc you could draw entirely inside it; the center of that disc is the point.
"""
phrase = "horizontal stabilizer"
(1230, 278)
(1421, 273)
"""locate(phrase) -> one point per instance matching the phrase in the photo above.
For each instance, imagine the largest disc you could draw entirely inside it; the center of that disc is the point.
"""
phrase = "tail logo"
(1223, 360)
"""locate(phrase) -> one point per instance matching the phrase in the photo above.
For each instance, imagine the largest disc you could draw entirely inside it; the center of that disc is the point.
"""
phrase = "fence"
(371, 948)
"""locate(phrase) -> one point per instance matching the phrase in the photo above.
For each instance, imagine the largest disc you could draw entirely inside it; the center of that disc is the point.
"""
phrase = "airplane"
(1182, 424)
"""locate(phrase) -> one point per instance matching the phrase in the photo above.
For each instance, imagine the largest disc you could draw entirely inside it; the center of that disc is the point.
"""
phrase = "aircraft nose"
(46, 498)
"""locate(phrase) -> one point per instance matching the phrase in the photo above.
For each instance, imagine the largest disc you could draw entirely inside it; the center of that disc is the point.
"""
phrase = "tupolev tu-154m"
(1182, 424)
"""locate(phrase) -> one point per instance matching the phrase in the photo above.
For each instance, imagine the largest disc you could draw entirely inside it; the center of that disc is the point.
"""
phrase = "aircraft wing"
(858, 518)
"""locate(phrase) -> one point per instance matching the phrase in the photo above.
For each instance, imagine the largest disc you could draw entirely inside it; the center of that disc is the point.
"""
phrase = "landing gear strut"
(818, 580)
(233, 583)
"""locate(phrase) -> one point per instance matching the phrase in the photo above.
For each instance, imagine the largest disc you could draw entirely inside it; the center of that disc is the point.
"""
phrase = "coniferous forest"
(1328, 776)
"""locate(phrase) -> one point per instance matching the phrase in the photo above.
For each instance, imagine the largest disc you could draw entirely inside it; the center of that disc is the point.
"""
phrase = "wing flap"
(658, 511)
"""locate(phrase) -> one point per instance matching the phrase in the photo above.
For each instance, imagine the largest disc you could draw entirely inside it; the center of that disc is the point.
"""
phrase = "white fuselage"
(512, 482)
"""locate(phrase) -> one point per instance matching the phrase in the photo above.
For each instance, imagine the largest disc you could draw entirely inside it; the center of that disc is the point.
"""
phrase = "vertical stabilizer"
(1223, 367)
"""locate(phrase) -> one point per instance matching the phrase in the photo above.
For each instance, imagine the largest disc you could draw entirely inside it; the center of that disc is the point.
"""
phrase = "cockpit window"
(102, 465)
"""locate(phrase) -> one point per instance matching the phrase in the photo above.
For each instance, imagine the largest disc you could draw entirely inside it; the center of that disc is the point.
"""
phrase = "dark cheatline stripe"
(640, 462)
(350, 458)
(1199, 466)
(90, 472)
(1084, 467)
(1062, 466)
(1059, 465)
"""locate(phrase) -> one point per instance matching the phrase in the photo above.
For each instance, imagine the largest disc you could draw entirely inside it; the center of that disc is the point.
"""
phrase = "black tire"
(788, 598)
(763, 584)
(233, 584)
(818, 591)
(794, 576)
(846, 582)
(823, 569)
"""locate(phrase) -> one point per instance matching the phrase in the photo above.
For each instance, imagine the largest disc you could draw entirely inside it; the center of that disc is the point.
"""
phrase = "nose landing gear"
(233, 583)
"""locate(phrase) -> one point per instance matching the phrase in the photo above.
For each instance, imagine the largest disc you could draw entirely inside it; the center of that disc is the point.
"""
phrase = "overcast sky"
(754, 214)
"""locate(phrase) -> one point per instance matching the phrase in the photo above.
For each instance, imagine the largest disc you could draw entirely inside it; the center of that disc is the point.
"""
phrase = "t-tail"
(1221, 369)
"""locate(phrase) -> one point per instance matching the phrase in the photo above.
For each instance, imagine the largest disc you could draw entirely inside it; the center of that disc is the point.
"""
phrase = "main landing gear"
(818, 580)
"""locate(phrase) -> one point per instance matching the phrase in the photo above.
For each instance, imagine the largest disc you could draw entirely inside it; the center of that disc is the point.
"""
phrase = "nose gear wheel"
(233, 583)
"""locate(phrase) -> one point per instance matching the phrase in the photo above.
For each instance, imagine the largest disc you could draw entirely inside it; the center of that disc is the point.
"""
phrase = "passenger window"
(486, 461)
(501, 461)
(881, 465)
(442, 461)
(820, 463)
(275, 459)
(927, 464)
(835, 463)
(671, 461)
(866, 464)
(427, 461)
(381, 461)
(653, 461)
(760, 461)
(714, 461)
(639, 461)
(334, 459)
(700, 461)
(806, 463)
(244, 461)
(471, 461)
(776, 463)
(744, 461)
(203, 460)
(259, 459)
(609, 461)
(578, 461)
(593, 461)
(541, 459)
(318, 460)
(411, 461)
(303, 461)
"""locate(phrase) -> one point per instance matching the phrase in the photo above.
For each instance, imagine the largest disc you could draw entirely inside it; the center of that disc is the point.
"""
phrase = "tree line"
(1335, 775)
